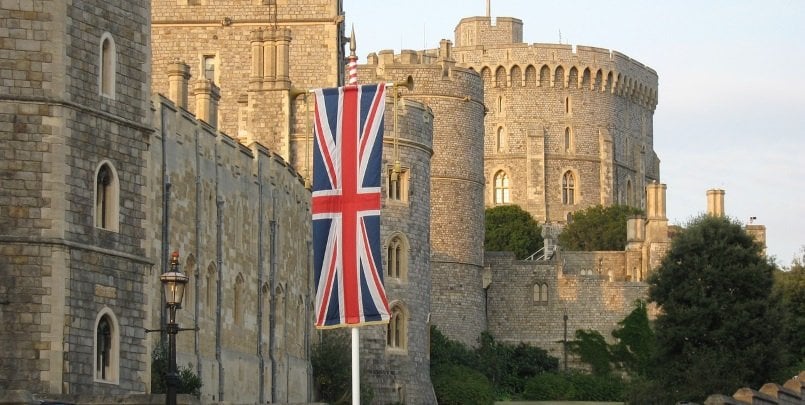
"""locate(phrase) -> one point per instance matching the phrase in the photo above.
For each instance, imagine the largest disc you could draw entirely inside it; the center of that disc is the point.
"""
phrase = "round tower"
(455, 95)
(568, 127)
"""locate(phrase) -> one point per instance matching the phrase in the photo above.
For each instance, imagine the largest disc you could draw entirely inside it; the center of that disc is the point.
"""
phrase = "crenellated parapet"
(563, 66)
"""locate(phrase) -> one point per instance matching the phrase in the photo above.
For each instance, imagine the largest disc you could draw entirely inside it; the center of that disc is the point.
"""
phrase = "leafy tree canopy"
(509, 228)
(719, 325)
(789, 286)
(598, 228)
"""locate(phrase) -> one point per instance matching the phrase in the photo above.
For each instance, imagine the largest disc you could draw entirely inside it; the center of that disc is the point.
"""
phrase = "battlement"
(485, 31)
(563, 66)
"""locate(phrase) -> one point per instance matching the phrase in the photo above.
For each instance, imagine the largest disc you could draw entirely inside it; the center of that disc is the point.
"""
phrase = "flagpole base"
(356, 381)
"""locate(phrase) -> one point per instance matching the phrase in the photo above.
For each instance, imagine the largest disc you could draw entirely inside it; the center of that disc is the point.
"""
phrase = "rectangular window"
(398, 185)
(208, 67)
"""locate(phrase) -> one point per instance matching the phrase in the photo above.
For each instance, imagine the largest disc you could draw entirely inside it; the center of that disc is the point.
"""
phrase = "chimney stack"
(715, 203)
(178, 76)
(207, 95)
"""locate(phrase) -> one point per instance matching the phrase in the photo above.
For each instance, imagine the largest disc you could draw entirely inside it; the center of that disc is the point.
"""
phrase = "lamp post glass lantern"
(174, 283)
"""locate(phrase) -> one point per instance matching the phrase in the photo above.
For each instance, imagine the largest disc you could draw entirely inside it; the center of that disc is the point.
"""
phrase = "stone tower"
(455, 96)
(393, 357)
(567, 127)
(76, 128)
(260, 54)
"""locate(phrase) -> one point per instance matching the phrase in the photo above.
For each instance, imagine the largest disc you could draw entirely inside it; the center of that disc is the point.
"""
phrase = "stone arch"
(210, 289)
(500, 77)
(238, 298)
(501, 188)
(106, 353)
(107, 66)
(516, 76)
(559, 77)
(545, 76)
(106, 211)
(190, 290)
(397, 328)
(530, 76)
(501, 140)
(486, 75)
(610, 82)
(585, 79)
(599, 84)
(570, 186)
(573, 78)
(397, 249)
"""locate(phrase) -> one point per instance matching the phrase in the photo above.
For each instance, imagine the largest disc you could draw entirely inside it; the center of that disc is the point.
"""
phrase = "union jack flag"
(347, 155)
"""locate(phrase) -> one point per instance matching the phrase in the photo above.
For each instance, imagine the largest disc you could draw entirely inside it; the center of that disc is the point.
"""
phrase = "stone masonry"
(553, 109)
(60, 272)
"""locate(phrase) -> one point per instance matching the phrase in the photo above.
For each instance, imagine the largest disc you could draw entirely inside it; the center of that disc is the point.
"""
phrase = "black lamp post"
(174, 283)
(564, 341)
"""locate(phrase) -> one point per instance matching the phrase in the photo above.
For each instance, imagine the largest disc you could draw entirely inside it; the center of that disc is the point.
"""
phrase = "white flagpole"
(356, 381)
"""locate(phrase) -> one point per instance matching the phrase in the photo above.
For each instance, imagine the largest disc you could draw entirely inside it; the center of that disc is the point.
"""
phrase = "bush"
(459, 385)
(574, 387)
(549, 387)
(189, 382)
(332, 370)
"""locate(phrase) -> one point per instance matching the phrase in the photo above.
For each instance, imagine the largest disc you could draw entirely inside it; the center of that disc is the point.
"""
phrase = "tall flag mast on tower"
(347, 156)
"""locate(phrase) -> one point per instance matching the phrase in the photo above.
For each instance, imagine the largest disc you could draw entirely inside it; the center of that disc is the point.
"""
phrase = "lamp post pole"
(173, 282)
(564, 341)
(172, 382)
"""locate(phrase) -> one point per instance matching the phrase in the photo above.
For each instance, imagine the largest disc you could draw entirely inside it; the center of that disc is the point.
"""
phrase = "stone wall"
(60, 270)
(578, 286)
(239, 216)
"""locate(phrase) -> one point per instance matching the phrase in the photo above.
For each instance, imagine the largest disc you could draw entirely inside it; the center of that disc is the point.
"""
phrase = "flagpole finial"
(352, 47)
(353, 60)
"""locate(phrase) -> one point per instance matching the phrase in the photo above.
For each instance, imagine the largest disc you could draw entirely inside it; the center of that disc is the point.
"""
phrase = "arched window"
(396, 257)
(237, 305)
(545, 76)
(629, 193)
(107, 347)
(568, 140)
(210, 291)
(500, 141)
(397, 330)
(543, 293)
(106, 198)
(107, 63)
(501, 188)
(568, 188)
(266, 313)
(189, 291)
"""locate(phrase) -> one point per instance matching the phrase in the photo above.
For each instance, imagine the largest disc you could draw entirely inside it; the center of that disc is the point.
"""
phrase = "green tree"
(511, 229)
(635, 346)
(332, 370)
(598, 228)
(593, 349)
(189, 382)
(789, 286)
(719, 325)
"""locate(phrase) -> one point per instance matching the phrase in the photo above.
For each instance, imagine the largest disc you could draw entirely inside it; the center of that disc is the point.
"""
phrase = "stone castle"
(134, 130)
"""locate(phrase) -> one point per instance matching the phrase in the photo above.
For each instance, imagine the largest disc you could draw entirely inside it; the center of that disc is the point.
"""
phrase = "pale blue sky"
(731, 110)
